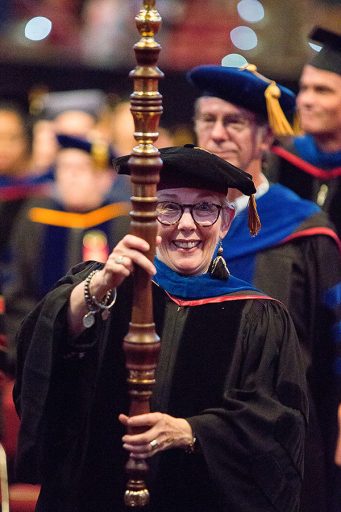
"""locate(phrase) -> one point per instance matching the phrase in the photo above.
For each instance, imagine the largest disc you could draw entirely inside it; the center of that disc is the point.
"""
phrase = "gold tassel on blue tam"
(247, 88)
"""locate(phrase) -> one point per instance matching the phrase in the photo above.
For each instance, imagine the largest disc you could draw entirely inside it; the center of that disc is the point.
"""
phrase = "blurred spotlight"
(250, 10)
(244, 38)
(234, 60)
(315, 47)
(38, 28)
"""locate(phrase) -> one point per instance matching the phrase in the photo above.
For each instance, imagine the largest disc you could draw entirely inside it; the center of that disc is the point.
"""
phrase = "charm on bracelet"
(94, 305)
(89, 319)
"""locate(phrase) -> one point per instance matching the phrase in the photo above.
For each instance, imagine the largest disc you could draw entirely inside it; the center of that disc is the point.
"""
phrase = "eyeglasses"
(203, 214)
(233, 122)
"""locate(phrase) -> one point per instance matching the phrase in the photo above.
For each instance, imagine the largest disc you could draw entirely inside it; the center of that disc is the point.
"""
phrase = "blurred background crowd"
(77, 44)
(64, 68)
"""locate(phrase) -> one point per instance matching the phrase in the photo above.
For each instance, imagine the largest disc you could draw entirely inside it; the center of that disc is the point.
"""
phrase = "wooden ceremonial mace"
(141, 344)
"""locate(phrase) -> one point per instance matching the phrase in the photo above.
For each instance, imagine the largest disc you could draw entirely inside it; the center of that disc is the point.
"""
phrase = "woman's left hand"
(163, 432)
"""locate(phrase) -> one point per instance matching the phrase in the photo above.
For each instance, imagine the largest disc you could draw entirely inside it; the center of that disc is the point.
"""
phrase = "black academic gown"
(232, 368)
(296, 259)
(317, 180)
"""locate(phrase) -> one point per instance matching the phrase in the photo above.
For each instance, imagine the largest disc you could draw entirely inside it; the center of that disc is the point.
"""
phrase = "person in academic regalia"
(83, 219)
(296, 255)
(229, 408)
(310, 164)
(17, 180)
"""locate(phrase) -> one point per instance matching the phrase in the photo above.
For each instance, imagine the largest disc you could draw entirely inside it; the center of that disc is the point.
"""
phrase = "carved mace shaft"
(141, 344)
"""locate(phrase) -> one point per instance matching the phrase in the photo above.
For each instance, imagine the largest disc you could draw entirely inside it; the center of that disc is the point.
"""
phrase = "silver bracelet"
(94, 305)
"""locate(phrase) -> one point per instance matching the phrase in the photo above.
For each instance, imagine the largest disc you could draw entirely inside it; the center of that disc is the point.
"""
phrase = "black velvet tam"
(192, 167)
(239, 86)
(329, 58)
(101, 152)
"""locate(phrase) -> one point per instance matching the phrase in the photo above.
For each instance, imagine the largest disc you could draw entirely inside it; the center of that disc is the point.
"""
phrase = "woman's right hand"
(128, 253)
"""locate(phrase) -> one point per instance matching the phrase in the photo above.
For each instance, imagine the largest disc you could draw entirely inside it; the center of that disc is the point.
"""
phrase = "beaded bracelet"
(94, 305)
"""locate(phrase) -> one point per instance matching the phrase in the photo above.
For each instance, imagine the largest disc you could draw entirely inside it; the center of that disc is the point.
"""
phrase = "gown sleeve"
(41, 340)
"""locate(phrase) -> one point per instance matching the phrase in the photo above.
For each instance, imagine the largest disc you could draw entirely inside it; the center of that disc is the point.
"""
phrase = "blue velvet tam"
(101, 152)
(244, 87)
(329, 58)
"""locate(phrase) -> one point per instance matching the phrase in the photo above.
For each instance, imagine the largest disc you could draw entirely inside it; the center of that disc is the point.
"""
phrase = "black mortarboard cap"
(101, 152)
(329, 57)
(189, 166)
(249, 89)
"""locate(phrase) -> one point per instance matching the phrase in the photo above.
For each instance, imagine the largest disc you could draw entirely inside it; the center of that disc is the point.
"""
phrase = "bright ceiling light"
(244, 38)
(315, 47)
(234, 60)
(250, 10)
(38, 28)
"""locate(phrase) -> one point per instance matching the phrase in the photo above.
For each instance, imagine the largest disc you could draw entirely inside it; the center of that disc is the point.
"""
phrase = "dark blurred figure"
(311, 164)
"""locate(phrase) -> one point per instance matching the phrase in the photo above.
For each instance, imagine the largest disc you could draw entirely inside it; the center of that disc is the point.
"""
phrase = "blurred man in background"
(311, 164)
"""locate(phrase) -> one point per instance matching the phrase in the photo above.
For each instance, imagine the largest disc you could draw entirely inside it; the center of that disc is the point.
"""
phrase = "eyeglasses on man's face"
(234, 122)
(204, 214)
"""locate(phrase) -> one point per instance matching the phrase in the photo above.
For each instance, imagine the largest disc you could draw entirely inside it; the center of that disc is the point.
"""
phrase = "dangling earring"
(218, 267)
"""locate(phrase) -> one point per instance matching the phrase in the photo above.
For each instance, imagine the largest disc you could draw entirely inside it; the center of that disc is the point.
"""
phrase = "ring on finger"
(119, 260)
(154, 444)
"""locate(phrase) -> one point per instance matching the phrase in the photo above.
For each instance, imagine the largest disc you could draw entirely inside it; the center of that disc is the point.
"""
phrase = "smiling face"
(319, 102)
(80, 185)
(186, 247)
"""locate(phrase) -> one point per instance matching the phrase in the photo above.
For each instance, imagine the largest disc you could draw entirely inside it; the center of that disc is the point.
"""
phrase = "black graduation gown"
(232, 368)
(301, 268)
(317, 183)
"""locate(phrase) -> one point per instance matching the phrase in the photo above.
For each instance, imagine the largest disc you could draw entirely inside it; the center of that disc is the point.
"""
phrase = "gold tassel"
(100, 154)
(253, 217)
(297, 125)
(277, 120)
(218, 267)
(276, 117)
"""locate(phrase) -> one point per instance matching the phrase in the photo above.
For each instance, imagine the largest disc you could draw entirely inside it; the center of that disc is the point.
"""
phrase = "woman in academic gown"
(226, 431)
